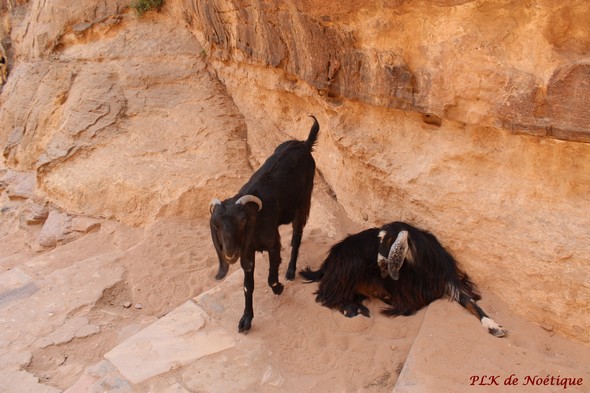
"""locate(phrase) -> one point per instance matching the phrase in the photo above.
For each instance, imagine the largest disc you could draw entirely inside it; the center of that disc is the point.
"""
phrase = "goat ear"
(214, 202)
(250, 198)
(397, 254)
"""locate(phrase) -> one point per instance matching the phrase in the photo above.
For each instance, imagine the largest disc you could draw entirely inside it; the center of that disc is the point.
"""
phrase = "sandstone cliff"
(467, 118)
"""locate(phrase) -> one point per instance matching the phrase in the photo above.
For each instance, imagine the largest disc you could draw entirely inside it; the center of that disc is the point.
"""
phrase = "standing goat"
(405, 267)
(278, 193)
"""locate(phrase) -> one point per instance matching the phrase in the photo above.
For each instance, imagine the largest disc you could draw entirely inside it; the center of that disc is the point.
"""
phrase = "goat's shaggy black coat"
(350, 274)
(283, 185)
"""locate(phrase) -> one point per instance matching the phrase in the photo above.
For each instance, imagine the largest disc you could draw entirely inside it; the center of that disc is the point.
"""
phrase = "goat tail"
(312, 276)
(313, 133)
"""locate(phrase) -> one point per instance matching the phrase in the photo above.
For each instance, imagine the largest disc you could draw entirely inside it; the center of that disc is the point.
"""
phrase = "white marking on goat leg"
(275, 284)
(245, 290)
(492, 327)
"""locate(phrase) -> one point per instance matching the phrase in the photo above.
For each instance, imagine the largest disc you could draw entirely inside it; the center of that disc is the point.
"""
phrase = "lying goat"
(405, 267)
(278, 193)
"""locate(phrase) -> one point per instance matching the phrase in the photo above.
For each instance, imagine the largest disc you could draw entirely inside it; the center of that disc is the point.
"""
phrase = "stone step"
(182, 336)
(453, 353)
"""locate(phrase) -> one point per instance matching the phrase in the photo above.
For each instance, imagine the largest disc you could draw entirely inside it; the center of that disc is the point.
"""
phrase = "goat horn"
(397, 254)
(249, 198)
(214, 202)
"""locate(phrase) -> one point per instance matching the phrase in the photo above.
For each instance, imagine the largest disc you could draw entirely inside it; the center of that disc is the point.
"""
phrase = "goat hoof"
(499, 332)
(354, 309)
(350, 311)
(364, 311)
(277, 288)
(290, 275)
(245, 324)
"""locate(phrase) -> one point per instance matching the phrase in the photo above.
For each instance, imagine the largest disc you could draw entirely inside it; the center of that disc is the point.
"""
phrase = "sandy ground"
(294, 345)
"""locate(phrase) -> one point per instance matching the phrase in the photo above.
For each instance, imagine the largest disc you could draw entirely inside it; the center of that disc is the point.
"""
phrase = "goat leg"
(274, 256)
(295, 243)
(492, 327)
(248, 267)
(298, 225)
(353, 309)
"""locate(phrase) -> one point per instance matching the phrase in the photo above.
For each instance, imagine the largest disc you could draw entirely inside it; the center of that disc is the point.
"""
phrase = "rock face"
(516, 66)
(466, 118)
(120, 121)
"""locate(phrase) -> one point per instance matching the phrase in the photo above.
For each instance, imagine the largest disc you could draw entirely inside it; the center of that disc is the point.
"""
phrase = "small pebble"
(61, 359)
(139, 306)
(127, 304)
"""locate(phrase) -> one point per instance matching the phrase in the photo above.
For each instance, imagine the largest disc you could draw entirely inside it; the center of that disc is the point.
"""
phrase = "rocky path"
(124, 309)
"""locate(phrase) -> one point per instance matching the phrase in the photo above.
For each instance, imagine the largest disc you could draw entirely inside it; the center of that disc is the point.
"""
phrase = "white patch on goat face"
(381, 261)
(381, 257)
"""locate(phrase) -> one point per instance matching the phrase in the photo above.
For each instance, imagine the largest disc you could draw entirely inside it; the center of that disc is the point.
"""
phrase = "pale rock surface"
(73, 328)
(35, 213)
(461, 356)
(14, 378)
(126, 130)
(54, 229)
(179, 338)
(54, 297)
(100, 378)
(19, 184)
(61, 228)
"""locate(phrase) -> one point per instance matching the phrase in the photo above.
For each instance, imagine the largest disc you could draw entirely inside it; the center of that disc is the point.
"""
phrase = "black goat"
(278, 193)
(404, 266)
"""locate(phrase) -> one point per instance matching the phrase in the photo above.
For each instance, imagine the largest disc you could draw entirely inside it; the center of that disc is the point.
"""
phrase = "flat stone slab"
(75, 327)
(102, 377)
(17, 380)
(14, 285)
(182, 336)
(453, 353)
